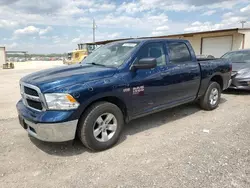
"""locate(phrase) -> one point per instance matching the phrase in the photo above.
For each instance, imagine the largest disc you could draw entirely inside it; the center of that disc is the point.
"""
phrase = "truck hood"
(57, 78)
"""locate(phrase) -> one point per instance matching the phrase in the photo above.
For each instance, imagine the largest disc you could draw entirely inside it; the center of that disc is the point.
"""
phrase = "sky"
(57, 26)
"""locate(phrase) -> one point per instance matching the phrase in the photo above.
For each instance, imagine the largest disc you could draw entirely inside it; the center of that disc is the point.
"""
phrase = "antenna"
(242, 23)
(94, 28)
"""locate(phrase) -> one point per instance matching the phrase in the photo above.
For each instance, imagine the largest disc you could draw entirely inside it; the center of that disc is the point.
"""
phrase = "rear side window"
(178, 52)
(154, 50)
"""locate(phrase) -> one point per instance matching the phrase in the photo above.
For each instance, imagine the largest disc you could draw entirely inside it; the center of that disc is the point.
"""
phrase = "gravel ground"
(181, 147)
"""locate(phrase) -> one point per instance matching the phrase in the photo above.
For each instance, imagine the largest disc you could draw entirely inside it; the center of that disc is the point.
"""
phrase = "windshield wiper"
(93, 63)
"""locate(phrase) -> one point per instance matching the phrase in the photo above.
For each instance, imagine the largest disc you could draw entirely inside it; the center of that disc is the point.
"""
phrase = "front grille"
(32, 97)
(244, 83)
(30, 91)
(35, 104)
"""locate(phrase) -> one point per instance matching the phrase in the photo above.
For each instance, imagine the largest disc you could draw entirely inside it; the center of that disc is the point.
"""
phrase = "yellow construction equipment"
(76, 56)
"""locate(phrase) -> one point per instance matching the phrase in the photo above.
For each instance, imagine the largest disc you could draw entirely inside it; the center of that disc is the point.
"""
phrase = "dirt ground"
(181, 147)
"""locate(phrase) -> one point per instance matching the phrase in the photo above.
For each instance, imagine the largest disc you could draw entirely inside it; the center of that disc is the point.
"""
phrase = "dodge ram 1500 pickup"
(118, 82)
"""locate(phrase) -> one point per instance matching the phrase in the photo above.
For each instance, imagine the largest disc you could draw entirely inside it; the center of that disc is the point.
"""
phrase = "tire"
(91, 121)
(208, 103)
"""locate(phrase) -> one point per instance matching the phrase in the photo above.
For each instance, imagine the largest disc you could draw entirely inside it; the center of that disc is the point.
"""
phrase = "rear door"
(181, 75)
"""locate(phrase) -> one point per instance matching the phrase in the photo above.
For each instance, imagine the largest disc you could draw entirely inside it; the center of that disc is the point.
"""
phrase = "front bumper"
(238, 83)
(51, 126)
(50, 132)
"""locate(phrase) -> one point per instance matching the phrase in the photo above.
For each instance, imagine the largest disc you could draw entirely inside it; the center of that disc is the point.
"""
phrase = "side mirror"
(144, 63)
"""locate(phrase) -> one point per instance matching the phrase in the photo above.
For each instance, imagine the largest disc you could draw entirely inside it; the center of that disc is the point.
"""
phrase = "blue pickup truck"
(117, 83)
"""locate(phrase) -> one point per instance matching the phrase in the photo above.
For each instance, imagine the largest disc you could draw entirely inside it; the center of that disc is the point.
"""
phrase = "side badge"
(126, 90)
(138, 90)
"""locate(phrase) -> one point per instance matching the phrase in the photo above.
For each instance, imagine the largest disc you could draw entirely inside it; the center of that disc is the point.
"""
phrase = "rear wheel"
(100, 126)
(212, 96)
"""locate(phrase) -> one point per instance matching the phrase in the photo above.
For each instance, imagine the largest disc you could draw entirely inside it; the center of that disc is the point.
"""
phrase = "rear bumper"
(50, 132)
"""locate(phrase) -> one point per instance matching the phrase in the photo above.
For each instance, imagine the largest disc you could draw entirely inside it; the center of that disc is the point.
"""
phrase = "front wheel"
(212, 96)
(100, 126)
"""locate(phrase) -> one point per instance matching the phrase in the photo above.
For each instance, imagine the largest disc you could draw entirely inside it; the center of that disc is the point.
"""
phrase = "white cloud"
(209, 13)
(162, 28)
(106, 7)
(13, 45)
(245, 9)
(55, 39)
(129, 8)
(157, 33)
(158, 19)
(8, 24)
(225, 4)
(227, 15)
(196, 23)
(206, 26)
(44, 37)
(114, 35)
(27, 30)
(99, 36)
(118, 21)
(45, 31)
(31, 30)
(10, 46)
(229, 21)
(75, 40)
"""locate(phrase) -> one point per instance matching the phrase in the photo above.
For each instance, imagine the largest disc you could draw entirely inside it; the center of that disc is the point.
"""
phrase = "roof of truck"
(151, 40)
(135, 39)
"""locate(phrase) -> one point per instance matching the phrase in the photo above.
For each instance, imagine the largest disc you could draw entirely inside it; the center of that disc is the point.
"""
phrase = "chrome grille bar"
(40, 98)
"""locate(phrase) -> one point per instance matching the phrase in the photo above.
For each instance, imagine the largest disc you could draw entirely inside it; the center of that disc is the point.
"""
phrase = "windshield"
(238, 56)
(111, 55)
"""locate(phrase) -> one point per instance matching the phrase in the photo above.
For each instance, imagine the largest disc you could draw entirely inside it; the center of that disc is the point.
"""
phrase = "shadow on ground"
(161, 118)
(236, 92)
(145, 123)
(63, 149)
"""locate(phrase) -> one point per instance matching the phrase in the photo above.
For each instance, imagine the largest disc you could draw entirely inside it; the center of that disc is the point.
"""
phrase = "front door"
(147, 84)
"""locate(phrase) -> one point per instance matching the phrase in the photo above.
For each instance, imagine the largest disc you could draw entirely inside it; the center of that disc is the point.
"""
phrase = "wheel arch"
(218, 78)
(112, 99)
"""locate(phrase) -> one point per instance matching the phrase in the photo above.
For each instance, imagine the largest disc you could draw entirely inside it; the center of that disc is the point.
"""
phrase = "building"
(216, 42)
(2, 56)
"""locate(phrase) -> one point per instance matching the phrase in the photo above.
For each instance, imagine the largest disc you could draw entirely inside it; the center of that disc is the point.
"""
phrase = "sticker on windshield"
(130, 44)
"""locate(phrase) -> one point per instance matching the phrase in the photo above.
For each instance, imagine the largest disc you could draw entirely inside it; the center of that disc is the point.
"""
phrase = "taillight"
(231, 67)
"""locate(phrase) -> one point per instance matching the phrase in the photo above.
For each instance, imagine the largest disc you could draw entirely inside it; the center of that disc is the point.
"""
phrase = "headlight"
(60, 101)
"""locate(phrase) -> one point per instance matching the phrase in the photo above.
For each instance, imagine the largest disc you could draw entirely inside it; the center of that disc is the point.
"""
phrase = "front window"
(238, 56)
(111, 55)
(153, 50)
